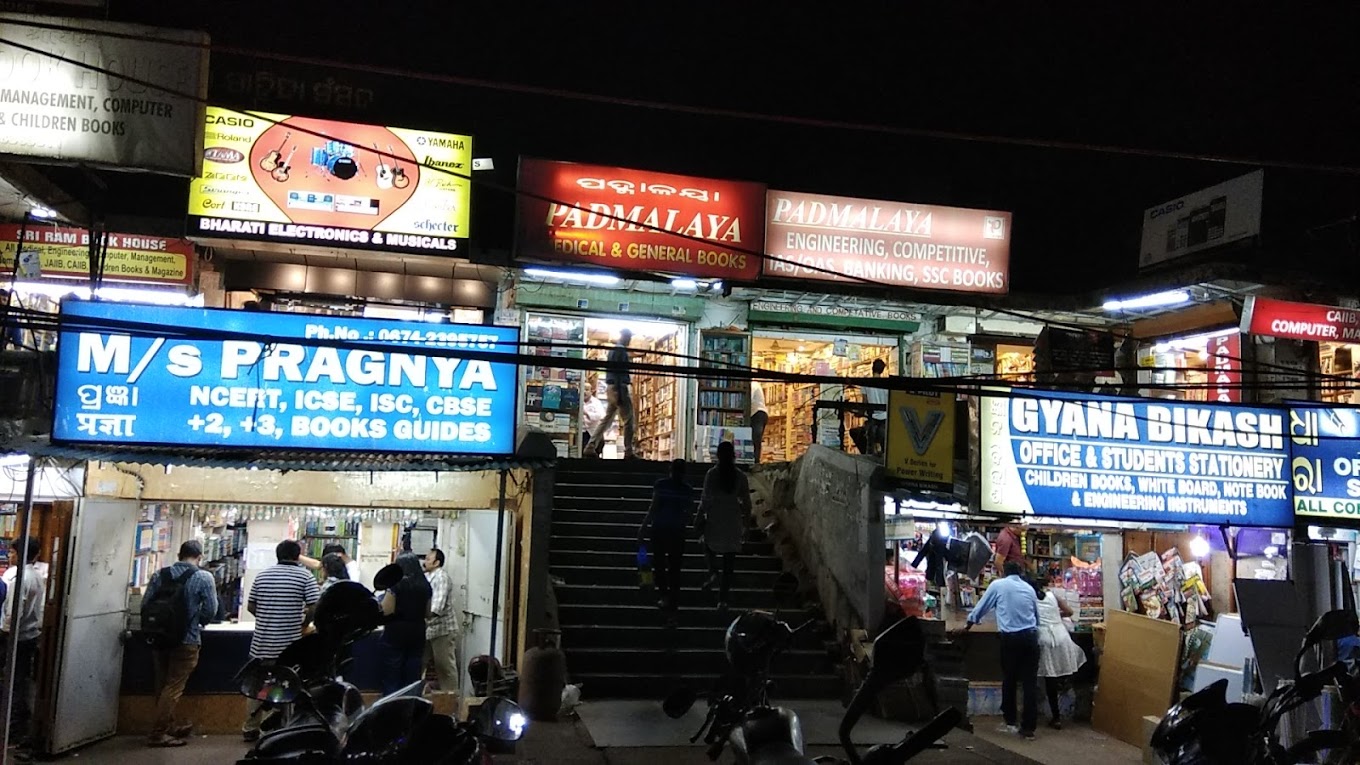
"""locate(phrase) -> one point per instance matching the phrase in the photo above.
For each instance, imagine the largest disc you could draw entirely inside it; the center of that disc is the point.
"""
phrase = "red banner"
(1225, 373)
(908, 245)
(64, 253)
(638, 220)
(1300, 321)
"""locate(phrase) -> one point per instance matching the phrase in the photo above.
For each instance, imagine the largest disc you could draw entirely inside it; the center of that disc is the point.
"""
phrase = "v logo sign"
(922, 433)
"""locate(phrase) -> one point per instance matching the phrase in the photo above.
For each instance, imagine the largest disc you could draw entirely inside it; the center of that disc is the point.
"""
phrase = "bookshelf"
(939, 360)
(654, 398)
(723, 401)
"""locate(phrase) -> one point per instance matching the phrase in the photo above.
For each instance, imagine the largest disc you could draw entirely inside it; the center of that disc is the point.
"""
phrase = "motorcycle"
(1205, 728)
(319, 718)
(740, 714)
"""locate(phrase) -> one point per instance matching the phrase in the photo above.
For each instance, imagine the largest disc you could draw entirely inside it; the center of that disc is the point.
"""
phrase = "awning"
(284, 460)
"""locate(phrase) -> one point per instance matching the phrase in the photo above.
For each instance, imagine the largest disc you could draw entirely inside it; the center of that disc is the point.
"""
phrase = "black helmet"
(1205, 729)
(347, 611)
(752, 641)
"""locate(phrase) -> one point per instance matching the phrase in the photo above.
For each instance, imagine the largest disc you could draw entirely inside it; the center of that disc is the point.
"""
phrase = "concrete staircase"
(615, 639)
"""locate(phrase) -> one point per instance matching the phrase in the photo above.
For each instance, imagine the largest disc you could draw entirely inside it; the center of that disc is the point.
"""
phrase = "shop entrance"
(567, 403)
(790, 430)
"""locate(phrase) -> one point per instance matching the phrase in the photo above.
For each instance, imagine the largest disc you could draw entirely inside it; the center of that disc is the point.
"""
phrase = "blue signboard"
(349, 384)
(1139, 460)
(1325, 462)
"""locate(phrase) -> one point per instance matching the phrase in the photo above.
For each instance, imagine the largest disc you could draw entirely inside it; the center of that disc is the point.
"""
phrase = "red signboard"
(1225, 375)
(1300, 321)
(639, 220)
(907, 245)
(65, 253)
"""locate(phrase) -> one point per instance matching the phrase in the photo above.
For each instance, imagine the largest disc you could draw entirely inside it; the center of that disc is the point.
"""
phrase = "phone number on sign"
(444, 338)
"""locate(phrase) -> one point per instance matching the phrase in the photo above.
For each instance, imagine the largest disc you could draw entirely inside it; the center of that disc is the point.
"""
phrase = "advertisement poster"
(276, 178)
(920, 446)
(1212, 217)
(637, 220)
(64, 252)
(1138, 460)
(1325, 462)
(389, 394)
(57, 110)
(907, 245)
(1268, 317)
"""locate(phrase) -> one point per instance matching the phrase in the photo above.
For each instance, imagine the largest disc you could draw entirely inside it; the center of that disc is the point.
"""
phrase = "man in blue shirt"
(175, 664)
(1017, 619)
(668, 519)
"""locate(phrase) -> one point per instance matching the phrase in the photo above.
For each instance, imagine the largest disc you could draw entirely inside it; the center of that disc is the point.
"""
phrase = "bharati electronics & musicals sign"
(639, 220)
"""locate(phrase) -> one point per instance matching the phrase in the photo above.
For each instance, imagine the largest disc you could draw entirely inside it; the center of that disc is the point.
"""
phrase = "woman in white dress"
(1059, 656)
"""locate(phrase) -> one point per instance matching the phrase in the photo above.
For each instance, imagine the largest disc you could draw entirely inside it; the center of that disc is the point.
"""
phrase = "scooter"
(1205, 728)
(740, 715)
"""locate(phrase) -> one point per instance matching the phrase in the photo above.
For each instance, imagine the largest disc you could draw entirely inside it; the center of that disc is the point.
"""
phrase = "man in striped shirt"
(281, 600)
(441, 626)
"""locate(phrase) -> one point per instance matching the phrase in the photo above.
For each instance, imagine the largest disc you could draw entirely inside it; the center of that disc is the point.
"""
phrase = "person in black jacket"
(618, 398)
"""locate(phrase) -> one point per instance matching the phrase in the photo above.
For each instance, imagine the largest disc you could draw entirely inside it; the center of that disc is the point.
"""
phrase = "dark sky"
(1220, 82)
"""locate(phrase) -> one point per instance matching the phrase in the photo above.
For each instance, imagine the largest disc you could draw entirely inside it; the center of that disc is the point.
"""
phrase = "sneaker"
(1027, 735)
(163, 740)
(183, 731)
(1055, 724)
(1007, 728)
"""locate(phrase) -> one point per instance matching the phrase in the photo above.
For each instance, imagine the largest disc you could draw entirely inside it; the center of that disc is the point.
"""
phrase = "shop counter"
(225, 649)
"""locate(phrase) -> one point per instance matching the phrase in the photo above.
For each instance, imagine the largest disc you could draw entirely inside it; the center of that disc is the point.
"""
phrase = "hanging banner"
(638, 220)
(1325, 461)
(175, 389)
(920, 445)
(1225, 373)
(54, 107)
(1139, 460)
(908, 245)
(295, 180)
(1269, 317)
(64, 253)
(1212, 217)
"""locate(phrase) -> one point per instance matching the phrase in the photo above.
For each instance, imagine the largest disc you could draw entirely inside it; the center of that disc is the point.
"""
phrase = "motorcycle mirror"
(1333, 625)
(387, 577)
(500, 719)
(898, 652)
(678, 703)
(275, 685)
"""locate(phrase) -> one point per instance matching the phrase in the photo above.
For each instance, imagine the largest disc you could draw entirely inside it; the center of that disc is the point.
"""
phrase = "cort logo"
(222, 155)
(1168, 208)
(231, 120)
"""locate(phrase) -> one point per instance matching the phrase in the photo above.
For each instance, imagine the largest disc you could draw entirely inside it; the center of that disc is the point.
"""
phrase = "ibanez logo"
(432, 162)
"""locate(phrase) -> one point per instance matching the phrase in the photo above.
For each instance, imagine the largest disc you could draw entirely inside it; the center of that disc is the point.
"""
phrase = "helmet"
(1205, 728)
(347, 611)
(752, 641)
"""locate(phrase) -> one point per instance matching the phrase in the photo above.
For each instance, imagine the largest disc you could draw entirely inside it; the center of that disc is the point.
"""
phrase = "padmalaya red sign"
(639, 220)
(1300, 321)
(905, 245)
(1225, 373)
(65, 253)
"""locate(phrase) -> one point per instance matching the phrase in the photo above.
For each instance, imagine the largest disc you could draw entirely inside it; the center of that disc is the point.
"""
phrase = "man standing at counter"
(1017, 619)
(441, 627)
(281, 600)
(196, 593)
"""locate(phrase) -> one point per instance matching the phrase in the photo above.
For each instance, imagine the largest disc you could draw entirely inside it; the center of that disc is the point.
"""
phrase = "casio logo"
(1168, 209)
(232, 121)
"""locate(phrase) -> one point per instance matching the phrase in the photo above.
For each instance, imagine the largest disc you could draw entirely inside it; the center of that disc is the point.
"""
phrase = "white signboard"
(1212, 217)
(83, 93)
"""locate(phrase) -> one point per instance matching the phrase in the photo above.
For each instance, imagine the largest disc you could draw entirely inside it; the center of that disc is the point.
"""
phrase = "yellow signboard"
(65, 253)
(280, 178)
(920, 447)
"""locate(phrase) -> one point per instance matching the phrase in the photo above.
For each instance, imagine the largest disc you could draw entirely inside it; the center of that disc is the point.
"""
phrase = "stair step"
(606, 595)
(657, 686)
(602, 513)
(628, 543)
(563, 489)
(580, 553)
(690, 578)
(654, 636)
(685, 662)
(639, 614)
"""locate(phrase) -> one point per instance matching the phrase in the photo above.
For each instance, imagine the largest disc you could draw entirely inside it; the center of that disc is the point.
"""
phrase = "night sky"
(1223, 82)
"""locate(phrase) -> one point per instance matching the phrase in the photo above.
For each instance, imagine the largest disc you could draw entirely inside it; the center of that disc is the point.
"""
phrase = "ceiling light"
(1155, 300)
(39, 211)
(1199, 546)
(604, 280)
(685, 284)
(717, 286)
(115, 294)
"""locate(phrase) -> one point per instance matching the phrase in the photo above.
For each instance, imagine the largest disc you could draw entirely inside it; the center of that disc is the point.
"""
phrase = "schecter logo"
(922, 432)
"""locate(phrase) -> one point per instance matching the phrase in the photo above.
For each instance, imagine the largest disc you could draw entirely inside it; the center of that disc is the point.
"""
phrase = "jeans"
(620, 404)
(758, 421)
(173, 667)
(442, 653)
(1020, 663)
(729, 560)
(401, 666)
(668, 550)
(22, 711)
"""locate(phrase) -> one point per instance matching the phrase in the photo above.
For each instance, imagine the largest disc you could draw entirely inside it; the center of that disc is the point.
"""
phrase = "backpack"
(165, 615)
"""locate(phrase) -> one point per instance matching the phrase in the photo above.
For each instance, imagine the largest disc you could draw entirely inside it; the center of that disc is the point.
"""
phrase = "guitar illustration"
(399, 177)
(270, 161)
(384, 179)
(281, 169)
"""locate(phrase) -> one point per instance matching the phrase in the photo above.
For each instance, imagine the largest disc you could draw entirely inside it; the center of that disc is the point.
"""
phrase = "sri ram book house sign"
(1134, 460)
(56, 105)
(358, 385)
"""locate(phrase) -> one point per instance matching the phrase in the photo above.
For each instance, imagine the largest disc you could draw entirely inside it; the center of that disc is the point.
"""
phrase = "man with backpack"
(179, 600)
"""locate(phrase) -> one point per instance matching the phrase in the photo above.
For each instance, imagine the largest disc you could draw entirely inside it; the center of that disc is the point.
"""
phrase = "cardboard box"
(1138, 671)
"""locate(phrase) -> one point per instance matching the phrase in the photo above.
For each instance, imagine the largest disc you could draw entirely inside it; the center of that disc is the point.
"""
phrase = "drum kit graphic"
(336, 160)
